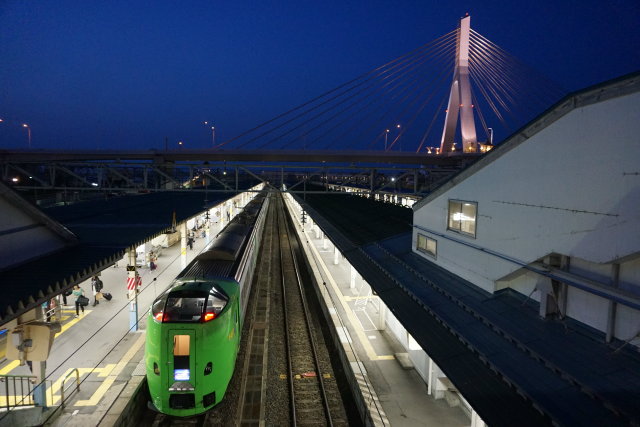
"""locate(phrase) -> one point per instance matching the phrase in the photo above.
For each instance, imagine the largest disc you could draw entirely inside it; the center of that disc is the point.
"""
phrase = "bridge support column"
(460, 102)
(324, 241)
(336, 255)
(183, 244)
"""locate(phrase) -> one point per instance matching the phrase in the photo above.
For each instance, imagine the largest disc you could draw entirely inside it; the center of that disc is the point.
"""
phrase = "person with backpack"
(96, 287)
(78, 292)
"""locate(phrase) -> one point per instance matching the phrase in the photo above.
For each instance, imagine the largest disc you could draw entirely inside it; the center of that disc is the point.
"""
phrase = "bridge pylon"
(460, 101)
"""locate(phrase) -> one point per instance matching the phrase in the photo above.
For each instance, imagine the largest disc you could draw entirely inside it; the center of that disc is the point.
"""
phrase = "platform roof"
(104, 230)
(511, 366)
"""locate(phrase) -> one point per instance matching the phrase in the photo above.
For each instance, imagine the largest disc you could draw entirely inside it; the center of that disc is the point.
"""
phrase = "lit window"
(427, 245)
(462, 217)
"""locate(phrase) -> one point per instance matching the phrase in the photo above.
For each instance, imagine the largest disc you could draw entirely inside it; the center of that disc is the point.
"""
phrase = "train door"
(182, 372)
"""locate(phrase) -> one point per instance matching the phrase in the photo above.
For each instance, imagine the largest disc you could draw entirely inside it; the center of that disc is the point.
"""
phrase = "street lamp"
(180, 144)
(24, 125)
(213, 133)
(386, 135)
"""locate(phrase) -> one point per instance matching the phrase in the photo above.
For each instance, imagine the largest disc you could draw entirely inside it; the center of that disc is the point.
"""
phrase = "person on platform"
(190, 242)
(78, 292)
(152, 260)
(96, 286)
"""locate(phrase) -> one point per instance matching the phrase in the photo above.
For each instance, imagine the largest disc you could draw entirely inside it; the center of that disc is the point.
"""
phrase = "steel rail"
(287, 336)
(284, 225)
(307, 316)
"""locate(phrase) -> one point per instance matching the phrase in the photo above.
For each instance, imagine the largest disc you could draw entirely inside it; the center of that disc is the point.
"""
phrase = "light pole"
(24, 125)
(213, 133)
(386, 135)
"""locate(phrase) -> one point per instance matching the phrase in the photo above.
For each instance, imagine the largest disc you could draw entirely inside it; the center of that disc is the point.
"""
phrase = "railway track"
(283, 374)
(314, 396)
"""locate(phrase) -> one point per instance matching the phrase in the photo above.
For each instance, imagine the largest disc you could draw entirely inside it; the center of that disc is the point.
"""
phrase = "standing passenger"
(78, 292)
(96, 286)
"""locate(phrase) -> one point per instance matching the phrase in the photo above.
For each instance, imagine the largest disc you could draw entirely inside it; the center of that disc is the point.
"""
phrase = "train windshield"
(189, 306)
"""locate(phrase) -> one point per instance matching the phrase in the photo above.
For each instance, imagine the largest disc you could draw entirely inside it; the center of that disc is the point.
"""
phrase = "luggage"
(107, 296)
(83, 301)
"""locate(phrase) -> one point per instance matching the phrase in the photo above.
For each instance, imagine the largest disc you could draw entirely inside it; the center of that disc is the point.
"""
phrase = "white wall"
(572, 189)
(564, 190)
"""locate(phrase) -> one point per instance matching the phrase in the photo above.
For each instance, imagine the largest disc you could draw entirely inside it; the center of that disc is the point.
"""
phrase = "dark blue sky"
(127, 74)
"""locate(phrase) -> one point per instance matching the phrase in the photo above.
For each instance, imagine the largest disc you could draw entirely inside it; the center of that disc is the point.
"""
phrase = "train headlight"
(156, 370)
(208, 369)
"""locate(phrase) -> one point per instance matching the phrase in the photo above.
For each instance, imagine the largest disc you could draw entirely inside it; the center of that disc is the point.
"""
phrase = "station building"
(551, 213)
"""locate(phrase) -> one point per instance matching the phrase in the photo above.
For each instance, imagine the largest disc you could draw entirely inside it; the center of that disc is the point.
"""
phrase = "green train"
(194, 327)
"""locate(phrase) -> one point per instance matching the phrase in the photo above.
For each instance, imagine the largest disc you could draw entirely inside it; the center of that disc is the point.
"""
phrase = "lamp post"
(386, 135)
(24, 125)
(213, 133)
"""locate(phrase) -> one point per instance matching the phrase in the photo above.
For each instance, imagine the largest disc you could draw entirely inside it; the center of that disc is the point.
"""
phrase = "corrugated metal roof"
(509, 364)
(362, 220)
(105, 229)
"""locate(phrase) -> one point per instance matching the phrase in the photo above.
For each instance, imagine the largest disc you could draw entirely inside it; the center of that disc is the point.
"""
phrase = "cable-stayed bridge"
(407, 122)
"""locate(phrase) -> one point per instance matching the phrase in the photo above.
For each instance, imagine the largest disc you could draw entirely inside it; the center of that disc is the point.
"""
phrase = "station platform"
(100, 344)
(394, 392)
(99, 350)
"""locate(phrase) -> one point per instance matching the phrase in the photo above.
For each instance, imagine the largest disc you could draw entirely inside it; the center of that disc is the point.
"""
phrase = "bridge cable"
(403, 57)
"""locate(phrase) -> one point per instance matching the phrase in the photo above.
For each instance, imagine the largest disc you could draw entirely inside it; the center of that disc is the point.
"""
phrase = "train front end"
(191, 347)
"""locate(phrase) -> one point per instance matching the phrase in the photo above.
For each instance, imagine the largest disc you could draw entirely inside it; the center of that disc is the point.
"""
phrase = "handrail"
(65, 380)
(21, 378)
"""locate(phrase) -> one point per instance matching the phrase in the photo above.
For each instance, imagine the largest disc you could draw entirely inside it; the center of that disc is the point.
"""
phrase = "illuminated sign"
(181, 375)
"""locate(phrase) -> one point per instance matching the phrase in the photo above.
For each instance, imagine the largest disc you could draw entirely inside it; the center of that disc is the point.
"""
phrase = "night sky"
(127, 74)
